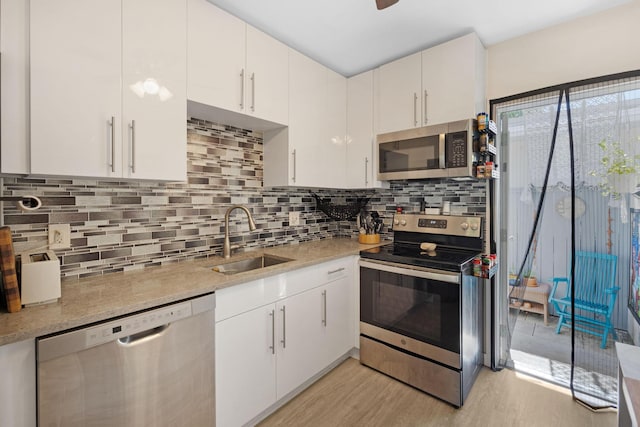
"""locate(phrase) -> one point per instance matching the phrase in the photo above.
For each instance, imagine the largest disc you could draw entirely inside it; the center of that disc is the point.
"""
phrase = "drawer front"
(239, 299)
(318, 275)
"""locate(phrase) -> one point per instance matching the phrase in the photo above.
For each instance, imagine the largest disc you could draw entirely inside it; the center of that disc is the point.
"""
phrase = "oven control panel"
(454, 225)
(432, 223)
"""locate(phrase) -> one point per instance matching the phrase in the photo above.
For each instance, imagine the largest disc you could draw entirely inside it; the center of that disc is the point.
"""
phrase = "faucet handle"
(234, 247)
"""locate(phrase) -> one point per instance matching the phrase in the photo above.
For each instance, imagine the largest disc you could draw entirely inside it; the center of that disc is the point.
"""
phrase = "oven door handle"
(423, 273)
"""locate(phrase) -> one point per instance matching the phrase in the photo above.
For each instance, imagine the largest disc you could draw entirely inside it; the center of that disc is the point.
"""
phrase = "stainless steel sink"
(248, 264)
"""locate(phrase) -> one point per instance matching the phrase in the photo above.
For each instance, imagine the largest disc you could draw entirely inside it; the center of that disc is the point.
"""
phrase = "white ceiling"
(351, 36)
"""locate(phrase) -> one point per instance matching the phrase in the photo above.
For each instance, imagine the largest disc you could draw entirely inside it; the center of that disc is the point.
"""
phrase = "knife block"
(369, 239)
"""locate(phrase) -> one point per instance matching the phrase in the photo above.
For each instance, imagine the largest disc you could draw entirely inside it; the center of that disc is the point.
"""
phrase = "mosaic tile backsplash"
(126, 225)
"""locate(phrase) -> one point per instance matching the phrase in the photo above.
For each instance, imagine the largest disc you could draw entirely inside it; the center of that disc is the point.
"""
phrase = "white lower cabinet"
(339, 325)
(18, 386)
(303, 323)
(300, 326)
(245, 366)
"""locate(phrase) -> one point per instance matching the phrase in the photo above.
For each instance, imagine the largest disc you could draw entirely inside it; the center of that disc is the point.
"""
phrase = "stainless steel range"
(421, 316)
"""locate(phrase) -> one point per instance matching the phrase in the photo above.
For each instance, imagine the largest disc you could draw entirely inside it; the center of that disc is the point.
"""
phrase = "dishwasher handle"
(144, 336)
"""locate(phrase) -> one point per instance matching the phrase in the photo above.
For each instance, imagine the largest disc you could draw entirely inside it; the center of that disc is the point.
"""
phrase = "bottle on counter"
(482, 143)
(480, 169)
(483, 121)
(488, 169)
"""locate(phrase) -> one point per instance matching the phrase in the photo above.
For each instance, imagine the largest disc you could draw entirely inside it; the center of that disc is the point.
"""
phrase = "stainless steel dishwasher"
(154, 368)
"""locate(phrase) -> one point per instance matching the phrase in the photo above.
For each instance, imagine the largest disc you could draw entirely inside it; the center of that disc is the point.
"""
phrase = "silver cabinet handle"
(284, 327)
(273, 331)
(242, 89)
(324, 309)
(426, 118)
(441, 148)
(415, 109)
(366, 171)
(133, 146)
(253, 91)
(293, 178)
(336, 271)
(113, 143)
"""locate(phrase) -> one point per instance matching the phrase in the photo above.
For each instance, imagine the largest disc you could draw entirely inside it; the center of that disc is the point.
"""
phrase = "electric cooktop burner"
(458, 240)
(450, 259)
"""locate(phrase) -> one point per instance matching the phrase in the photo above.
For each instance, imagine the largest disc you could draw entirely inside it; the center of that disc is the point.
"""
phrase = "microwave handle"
(441, 145)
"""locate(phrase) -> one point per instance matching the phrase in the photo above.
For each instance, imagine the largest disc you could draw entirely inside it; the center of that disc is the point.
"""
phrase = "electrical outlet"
(59, 236)
(294, 218)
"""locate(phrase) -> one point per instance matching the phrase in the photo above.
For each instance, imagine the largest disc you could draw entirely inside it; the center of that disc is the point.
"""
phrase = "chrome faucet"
(226, 249)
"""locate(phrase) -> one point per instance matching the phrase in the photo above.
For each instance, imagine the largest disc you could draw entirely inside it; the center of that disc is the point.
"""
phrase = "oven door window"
(410, 155)
(423, 309)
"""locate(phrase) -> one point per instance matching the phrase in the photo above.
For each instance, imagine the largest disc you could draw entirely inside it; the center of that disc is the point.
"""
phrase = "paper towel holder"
(25, 203)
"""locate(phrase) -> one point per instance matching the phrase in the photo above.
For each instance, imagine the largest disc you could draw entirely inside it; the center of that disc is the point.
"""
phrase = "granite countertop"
(94, 299)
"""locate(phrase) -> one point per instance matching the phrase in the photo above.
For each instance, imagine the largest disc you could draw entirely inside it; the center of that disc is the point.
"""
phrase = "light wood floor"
(354, 395)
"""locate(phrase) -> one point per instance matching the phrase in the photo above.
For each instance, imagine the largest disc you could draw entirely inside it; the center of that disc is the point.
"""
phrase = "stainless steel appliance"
(421, 316)
(154, 368)
(438, 151)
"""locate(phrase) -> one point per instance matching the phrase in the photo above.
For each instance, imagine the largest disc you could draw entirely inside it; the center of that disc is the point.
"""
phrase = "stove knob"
(403, 222)
(464, 226)
(474, 226)
(396, 222)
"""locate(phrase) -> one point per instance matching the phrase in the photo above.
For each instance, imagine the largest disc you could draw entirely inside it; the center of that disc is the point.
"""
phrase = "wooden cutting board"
(8, 269)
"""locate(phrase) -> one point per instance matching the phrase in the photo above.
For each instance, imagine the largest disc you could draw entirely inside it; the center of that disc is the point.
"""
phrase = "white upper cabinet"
(453, 80)
(76, 93)
(108, 95)
(361, 158)
(399, 94)
(235, 67)
(360, 130)
(333, 148)
(267, 87)
(155, 89)
(216, 57)
(311, 151)
(307, 101)
(14, 87)
(438, 85)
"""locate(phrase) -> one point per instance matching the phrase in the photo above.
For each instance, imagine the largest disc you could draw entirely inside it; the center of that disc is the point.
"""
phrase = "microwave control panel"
(456, 150)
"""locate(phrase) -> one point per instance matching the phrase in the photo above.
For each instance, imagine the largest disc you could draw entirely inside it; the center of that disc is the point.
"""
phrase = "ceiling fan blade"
(382, 4)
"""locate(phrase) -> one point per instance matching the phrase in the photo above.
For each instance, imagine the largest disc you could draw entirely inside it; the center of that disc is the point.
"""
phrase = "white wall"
(591, 46)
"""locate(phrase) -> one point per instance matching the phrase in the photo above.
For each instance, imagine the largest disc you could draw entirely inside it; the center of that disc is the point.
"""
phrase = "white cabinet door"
(399, 92)
(75, 87)
(267, 84)
(299, 331)
(18, 386)
(307, 111)
(154, 87)
(245, 366)
(216, 57)
(235, 67)
(360, 138)
(14, 87)
(452, 80)
(313, 146)
(108, 95)
(339, 322)
(333, 151)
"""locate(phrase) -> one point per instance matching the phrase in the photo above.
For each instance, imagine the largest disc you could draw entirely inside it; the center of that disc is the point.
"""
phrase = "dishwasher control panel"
(132, 325)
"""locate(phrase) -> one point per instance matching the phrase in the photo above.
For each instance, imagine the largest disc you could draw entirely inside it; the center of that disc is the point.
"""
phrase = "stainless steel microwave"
(438, 151)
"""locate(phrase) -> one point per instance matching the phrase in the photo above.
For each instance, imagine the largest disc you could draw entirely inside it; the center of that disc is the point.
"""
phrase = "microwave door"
(421, 157)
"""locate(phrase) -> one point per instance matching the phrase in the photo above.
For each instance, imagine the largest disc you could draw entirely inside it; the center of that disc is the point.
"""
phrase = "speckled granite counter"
(94, 299)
